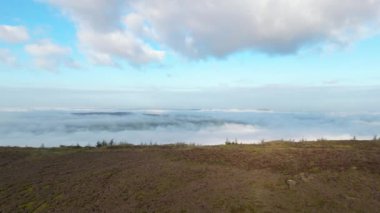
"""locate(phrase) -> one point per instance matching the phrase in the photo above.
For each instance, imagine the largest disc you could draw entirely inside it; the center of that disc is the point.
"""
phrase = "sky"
(287, 55)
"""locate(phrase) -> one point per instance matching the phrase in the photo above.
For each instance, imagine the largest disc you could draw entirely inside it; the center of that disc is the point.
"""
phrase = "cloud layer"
(124, 29)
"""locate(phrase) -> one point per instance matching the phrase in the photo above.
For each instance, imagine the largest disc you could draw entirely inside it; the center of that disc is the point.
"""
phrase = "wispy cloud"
(106, 48)
(6, 57)
(50, 56)
(13, 34)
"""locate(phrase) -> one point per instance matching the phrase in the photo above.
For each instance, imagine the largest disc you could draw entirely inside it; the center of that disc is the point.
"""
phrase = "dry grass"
(331, 176)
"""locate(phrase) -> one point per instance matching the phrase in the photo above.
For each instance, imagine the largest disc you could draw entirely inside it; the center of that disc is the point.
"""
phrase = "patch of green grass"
(314, 169)
(241, 208)
(29, 206)
(58, 197)
(41, 208)
(27, 190)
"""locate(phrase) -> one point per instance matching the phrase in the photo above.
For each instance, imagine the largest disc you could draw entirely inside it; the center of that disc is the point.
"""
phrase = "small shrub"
(228, 142)
(98, 144)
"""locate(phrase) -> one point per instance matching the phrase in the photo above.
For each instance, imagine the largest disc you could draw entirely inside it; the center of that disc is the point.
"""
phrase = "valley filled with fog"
(202, 127)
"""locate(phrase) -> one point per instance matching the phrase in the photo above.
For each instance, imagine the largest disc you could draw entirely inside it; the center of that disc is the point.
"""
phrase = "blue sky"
(140, 51)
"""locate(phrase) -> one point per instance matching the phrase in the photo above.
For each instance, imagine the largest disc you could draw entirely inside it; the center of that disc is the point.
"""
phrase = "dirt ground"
(326, 176)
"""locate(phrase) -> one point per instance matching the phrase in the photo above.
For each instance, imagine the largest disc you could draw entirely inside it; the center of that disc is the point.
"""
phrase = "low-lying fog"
(85, 127)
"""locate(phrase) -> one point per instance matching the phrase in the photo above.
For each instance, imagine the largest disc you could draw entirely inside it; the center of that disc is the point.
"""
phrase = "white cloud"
(49, 56)
(13, 34)
(100, 34)
(92, 14)
(103, 47)
(7, 57)
(217, 28)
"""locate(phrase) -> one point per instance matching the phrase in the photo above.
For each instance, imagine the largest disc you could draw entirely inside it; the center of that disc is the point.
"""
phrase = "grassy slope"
(330, 177)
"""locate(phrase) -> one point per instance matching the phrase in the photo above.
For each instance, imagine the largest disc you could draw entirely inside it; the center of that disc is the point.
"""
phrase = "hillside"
(329, 176)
